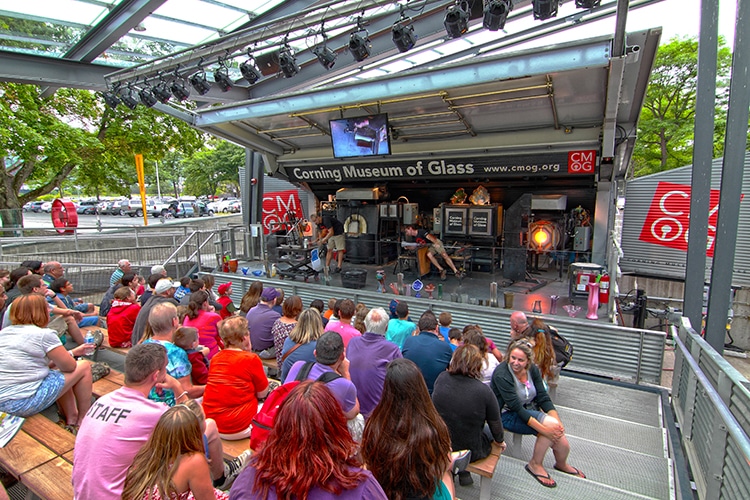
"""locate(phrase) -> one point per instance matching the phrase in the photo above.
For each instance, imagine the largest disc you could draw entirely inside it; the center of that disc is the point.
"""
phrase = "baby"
(187, 338)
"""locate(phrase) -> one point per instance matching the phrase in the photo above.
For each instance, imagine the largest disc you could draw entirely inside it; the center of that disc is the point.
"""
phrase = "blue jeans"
(512, 422)
(89, 321)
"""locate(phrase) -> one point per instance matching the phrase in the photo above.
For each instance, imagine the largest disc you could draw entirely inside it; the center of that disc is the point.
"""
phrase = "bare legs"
(560, 448)
(447, 260)
(215, 450)
(75, 400)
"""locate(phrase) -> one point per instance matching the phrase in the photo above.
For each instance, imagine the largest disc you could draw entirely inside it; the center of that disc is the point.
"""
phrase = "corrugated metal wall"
(645, 258)
(600, 348)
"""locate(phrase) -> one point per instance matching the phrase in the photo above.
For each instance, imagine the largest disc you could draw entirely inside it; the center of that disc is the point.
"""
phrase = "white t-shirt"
(488, 367)
(114, 429)
(24, 361)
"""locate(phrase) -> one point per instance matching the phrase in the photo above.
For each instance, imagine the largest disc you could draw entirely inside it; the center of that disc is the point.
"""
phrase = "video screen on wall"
(360, 136)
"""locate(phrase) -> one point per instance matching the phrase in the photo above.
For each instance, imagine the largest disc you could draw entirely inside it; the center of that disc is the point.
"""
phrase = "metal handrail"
(200, 246)
(180, 247)
(733, 427)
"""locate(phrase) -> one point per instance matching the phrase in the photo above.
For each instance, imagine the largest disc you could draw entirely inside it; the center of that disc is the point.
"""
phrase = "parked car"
(33, 206)
(87, 207)
(46, 207)
(183, 209)
(235, 206)
(203, 209)
(158, 207)
(110, 207)
(131, 207)
(225, 205)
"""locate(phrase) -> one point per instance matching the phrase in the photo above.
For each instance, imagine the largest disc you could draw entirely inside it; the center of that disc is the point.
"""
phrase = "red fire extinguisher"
(604, 289)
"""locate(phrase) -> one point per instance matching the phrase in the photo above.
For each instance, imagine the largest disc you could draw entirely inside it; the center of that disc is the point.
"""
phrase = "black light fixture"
(326, 56)
(221, 76)
(199, 81)
(545, 9)
(359, 42)
(288, 61)
(587, 4)
(496, 13)
(161, 91)
(403, 34)
(456, 21)
(111, 97)
(249, 70)
(147, 97)
(128, 97)
(179, 86)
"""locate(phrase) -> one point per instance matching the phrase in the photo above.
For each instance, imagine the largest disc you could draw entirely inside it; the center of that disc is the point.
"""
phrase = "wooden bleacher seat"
(485, 468)
(233, 449)
(49, 434)
(51, 480)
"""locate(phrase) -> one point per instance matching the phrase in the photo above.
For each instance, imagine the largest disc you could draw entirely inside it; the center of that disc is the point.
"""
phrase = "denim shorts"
(48, 392)
(512, 422)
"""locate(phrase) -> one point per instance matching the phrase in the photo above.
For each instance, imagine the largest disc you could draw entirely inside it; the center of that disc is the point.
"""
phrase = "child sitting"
(183, 289)
(227, 306)
(121, 317)
(445, 319)
(187, 338)
(62, 288)
(456, 337)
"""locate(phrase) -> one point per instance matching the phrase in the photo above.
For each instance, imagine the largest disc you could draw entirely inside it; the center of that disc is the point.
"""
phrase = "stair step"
(620, 468)
(624, 403)
(512, 482)
(614, 431)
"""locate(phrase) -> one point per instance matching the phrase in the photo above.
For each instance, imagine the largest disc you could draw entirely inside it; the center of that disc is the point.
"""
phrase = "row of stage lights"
(456, 22)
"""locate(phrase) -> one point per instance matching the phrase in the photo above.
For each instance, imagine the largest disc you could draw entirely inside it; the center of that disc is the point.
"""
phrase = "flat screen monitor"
(360, 136)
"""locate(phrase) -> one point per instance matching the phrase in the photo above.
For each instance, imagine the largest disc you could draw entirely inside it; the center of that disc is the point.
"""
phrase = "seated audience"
(474, 337)
(227, 306)
(123, 268)
(3, 299)
(163, 294)
(318, 304)
(113, 437)
(401, 328)
(183, 289)
(302, 340)
(27, 384)
(172, 463)
(328, 313)
(251, 297)
(129, 280)
(260, 320)
(359, 317)
(519, 387)
(201, 316)
(309, 454)
(369, 356)
(187, 338)
(466, 405)
(518, 325)
(344, 325)
(11, 288)
(406, 445)
(445, 319)
(121, 317)
(538, 335)
(291, 309)
(236, 382)
(431, 354)
(277, 306)
(456, 337)
(62, 288)
(153, 279)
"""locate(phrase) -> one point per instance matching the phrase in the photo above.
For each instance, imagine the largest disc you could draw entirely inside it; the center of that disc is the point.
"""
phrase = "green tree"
(217, 164)
(665, 128)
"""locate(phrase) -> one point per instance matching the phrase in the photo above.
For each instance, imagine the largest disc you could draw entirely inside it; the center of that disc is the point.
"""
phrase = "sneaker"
(461, 460)
(99, 371)
(232, 469)
(460, 274)
(465, 479)
(98, 338)
(443, 274)
(73, 429)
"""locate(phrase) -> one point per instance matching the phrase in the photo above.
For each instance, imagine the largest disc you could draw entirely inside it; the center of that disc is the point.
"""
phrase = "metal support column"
(731, 181)
(705, 104)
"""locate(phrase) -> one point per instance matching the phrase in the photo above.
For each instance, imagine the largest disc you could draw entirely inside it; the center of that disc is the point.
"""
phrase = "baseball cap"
(224, 287)
(269, 294)
(165, 284)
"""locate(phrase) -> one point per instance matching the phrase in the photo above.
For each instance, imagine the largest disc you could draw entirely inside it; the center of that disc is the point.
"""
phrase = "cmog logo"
(276, 205)
(582, 162)
(668, 218)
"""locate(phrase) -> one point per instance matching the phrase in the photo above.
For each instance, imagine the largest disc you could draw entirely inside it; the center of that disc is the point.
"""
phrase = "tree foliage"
(214, 166)
(665, 128)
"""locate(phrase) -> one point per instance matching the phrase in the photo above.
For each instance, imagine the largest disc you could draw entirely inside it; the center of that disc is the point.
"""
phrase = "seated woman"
(466, 404)
(27, 384)
(474, 337)
(172, 464)
(200, 315)
(538, 335)
(121, 317)
(406, 445)
(290, 310)
(519, 388)
(300, 345)
(235, 382)
(251, 297)
(309, 454)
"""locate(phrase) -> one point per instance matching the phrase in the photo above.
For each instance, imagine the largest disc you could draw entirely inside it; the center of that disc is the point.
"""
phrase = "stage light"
(161, 92)
(544, 9)
(147, 97)
(359, 45)
(325, 55)
(456, 21)
(180, 89)
(200, 83)
(587, 4)
(288, 62)
(544, 236)
(250, 71)
(111, 98)
(404, 37)
(496, 13)
(221, 77)
(128, 98)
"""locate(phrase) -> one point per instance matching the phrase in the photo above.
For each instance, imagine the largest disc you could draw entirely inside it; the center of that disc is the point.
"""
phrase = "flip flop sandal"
(539, 477)
(576, 472)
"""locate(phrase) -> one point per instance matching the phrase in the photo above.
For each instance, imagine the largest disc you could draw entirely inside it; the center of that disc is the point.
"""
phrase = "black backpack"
(563, 348)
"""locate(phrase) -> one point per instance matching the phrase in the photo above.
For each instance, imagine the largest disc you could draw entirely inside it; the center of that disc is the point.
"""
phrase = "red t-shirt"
(120, 320)
(227, 306)
(233, 379)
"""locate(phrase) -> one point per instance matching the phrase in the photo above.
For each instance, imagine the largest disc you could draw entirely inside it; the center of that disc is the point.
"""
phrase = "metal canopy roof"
(470, 94)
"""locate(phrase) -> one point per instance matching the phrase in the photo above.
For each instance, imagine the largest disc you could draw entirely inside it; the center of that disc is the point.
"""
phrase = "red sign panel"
(277, 206)
(668, 218)
(582, 162)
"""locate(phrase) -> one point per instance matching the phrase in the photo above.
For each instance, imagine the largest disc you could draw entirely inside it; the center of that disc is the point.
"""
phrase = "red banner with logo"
(668, 218)
(582, 162)
(278, 207)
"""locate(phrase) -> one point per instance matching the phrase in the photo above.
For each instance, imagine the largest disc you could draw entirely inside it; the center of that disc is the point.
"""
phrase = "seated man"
(428, 352)
(63, 288)
(425, 238)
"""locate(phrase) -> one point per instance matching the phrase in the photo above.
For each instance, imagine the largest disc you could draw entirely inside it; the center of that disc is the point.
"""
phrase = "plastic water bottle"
(89, 339)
